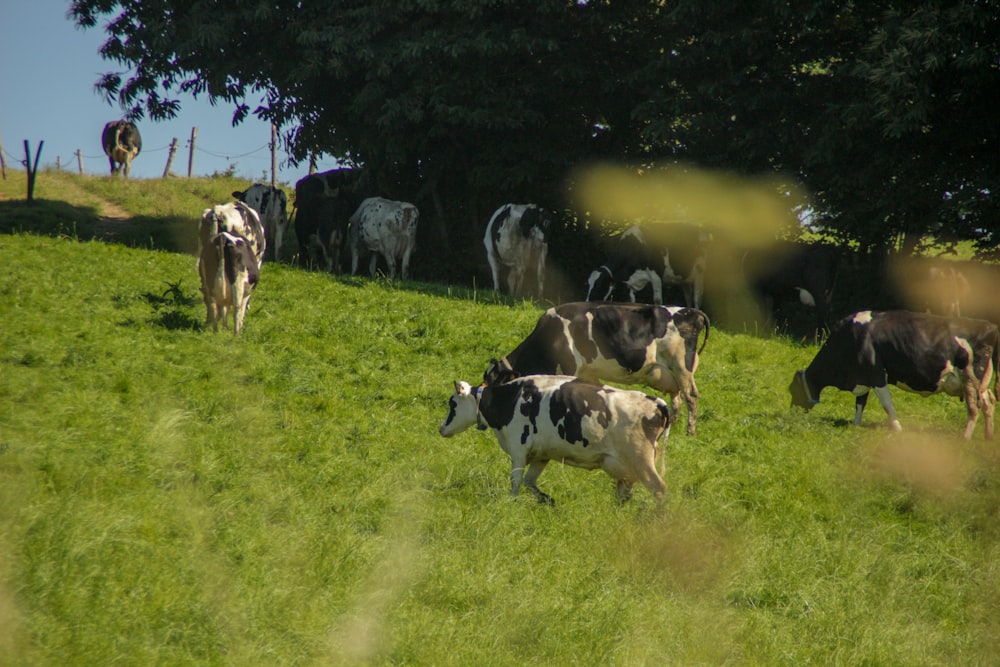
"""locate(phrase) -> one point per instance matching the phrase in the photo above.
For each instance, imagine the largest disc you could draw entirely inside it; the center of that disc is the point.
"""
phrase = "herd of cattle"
(545, 400)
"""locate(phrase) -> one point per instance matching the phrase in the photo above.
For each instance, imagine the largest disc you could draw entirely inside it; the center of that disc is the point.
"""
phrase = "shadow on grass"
(169, 308)
(59, 219)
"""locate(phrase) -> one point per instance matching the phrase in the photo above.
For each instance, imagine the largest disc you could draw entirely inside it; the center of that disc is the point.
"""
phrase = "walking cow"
(271, 205)
(544, 418)
(656, 346)
(927, 354)
(516, 243)
(384, 227)
(122, 143)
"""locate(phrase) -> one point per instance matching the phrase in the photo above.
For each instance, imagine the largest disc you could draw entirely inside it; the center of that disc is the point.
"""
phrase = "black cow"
(656, 346)
(122, 143)
(653, 255)
(923, 353)
(787, 270)
(324, 203)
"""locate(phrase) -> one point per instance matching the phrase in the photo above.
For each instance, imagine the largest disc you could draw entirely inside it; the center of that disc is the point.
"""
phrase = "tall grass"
(173, 496)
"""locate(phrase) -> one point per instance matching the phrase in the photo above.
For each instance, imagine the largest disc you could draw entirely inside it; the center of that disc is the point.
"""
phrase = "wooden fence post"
(79, 161)
(3, 161)
(32, 171)
(194, 136)
(274, 154)
(170, 157)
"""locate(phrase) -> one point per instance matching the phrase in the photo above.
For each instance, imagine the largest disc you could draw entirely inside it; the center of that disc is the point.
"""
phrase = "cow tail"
(704, 318)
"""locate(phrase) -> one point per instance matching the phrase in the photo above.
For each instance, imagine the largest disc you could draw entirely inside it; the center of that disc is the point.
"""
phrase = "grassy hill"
(173, 496)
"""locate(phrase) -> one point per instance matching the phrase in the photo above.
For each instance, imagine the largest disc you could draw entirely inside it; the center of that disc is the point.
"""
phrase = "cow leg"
(373, 264)
(988, 402)
(494, 271)
(404, 270)
(860, 400)
(535, 469)
(886, 400)
(354, 260)
(514, 280)
(540, 268)
(623, 489)
(650, 479)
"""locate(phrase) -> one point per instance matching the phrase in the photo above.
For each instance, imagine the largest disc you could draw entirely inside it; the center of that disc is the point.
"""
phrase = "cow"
(918, 352)
(122, 143)
(236, 218)
(542, 418)
(651, 345)
(654, 255)
(229, 273)
(790, 270)
(324, 203)
(385, 227)
(271, 205)
(516, 243)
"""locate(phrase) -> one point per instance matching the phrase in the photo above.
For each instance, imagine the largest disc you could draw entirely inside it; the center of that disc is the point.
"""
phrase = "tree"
(885, 111)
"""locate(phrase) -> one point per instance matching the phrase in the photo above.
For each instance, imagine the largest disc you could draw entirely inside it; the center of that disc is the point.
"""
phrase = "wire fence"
(171, 148)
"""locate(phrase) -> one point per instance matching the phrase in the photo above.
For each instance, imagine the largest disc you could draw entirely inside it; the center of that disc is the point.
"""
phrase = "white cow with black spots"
(384, 227)
(271, 205)
(516, 243)
(543, 418)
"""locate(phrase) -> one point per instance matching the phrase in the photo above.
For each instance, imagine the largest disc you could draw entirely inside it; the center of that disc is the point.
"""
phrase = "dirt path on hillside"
(108, 212)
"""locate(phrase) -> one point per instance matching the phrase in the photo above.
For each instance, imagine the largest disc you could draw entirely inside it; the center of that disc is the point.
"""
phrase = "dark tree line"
(887, 112)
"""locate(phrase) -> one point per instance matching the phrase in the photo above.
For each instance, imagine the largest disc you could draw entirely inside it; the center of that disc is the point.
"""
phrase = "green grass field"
(170, 496)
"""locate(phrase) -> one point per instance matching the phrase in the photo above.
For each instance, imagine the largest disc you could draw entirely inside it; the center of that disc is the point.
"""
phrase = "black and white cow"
(656, 346)
(122, 143)
(238, 219)
(792, 271)
(324, 203)
(918, 352)
(385, 227)
(516, 243)
(654, 255)
(271, 205)
(229, 273)
(542, 418)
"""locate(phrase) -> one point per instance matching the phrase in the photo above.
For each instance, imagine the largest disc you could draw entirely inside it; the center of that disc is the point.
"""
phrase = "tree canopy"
(885, 111)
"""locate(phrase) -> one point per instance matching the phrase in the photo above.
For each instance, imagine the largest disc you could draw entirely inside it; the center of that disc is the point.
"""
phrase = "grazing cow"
(324, 203)
(789, 270)
(918, 352)
(542, 418)
(271, 205)
(229, 273)
(122, 143)
(238, 219)
(386, 227)
(656, 346)
(651, 255)
(515, 242)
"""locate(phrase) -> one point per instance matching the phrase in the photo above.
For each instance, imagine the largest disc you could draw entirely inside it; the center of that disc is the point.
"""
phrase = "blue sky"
(48, 68)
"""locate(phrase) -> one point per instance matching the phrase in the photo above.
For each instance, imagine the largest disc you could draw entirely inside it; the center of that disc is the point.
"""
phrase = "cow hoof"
(546, 499)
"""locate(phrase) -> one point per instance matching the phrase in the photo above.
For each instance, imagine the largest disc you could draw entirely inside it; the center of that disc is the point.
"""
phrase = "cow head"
(463, 409)
(801, 394)
(600, 285)
(498, 372)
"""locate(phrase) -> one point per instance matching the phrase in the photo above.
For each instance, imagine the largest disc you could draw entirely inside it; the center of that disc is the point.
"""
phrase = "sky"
(48, 68)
